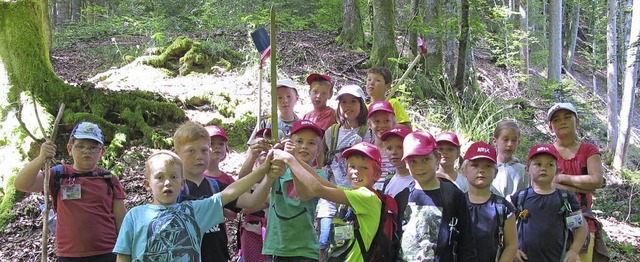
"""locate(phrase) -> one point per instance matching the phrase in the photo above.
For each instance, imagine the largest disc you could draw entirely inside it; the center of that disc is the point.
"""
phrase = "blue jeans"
(325, 230)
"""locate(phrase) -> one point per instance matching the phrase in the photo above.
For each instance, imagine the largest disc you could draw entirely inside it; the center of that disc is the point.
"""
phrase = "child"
(351, 129)
(511, 176)
(219, 151)
(392, 140)
(89, 218)
(363, 167)
(320, 90)
(580, 164)
(436, 225)
(291, 235)
(380, 119)
(193, 145)
(287, 100)
(542, 211)
(493, 217)
(449, 148)
(378, 83)
(169, 231)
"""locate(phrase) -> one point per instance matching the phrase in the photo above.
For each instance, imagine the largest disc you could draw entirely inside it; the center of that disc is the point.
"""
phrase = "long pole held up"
(423, 49)
(274, 78)
(47, 175)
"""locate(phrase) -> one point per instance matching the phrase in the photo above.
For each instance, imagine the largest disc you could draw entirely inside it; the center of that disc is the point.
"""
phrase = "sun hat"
(88, 130)
(542, 149)
(306, 124)
(366, 148)
(380, 106)
(399, 130)
(314, 77)
(286, 82)
(418, 143)
(447, 136)
(214, 130)
(560, 106)
(480, 150)
(353, 90)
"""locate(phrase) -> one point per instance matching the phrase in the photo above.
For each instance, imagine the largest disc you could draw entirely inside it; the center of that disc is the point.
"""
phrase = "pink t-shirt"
(577, 166)
(323, 118)
(86, 226)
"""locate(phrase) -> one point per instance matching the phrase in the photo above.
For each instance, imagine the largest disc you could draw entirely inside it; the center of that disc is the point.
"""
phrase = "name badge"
(343, 232)
(575, 220)
(70, 192)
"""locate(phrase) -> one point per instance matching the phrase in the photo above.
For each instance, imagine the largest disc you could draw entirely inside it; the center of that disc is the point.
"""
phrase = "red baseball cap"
(418, 143)
(304, 124)
(378, 106)
(447, 136)
(264, 132)
(366, 148)
(214, 130)
(542, 149)
(314, 77)
(479, 150)
(399, 130)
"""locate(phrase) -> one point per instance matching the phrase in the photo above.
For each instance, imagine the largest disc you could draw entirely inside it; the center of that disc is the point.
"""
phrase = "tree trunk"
(76, 6)
(524, 27)
(352, 34)
(384, 37)
(449, 40)
(413, 35)
(64, 11)
(25, 55)
(555, 41)
(575, 24)
(594, 55)
(433, 56)
(628, 96)
(612, 76)
(463, 48)
(53, 14)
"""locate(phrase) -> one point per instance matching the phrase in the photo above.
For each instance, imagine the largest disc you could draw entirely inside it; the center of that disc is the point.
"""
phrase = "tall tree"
(76, 6)
(384, 36)
(555, 41)
(352, 34)
(524, 27)
(432, 17)
(573, 33)
(463, 48)
(449, 40)
(64, 11)
(612, 75)
(630, 81)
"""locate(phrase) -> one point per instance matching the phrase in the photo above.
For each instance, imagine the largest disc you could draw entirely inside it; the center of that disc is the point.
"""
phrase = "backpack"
(333, 142)
(60, 176)
(185, 194)
(385, 243)
(565, 210)
(501, 210)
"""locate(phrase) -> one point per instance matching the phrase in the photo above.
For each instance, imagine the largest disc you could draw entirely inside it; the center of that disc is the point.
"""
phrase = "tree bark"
(463, 48)
(524, 27)
(612, 76)
(449, 41)
(352, 34)
(384, 36)
(575, 24)
(76, 6)
(555, 41)
(628, 96)
(433, 38)
(413, 35)
(64, 11)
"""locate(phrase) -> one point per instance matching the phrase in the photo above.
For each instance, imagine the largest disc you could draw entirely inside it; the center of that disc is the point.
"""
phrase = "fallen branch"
(24, 127)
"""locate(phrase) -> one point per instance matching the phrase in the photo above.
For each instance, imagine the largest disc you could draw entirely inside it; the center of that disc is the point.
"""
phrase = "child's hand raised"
(277, 168)
(259, 145)
(47, 150)
(289, 146)
(521, 256)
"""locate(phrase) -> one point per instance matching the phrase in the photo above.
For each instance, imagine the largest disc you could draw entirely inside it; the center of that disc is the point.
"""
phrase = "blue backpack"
(185, 195)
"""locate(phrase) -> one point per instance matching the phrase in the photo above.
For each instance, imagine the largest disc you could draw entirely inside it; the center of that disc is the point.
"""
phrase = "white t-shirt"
(397, 184)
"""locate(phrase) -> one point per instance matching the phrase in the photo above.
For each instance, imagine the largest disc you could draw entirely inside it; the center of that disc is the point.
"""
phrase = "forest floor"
(303, 52)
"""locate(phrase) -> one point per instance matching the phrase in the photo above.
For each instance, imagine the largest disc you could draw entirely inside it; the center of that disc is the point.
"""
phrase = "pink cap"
(542, 149)
(264, 132)
(399, 130)
(304, 124)
(450, 137)
(479, 150)
(366, 148)
(214, 130)
(314, 77)
(380, 106)
(418, 143)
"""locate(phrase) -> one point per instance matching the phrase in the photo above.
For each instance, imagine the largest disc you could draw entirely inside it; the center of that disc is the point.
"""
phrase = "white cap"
(559, 106)
(286, 82)
(353, 90)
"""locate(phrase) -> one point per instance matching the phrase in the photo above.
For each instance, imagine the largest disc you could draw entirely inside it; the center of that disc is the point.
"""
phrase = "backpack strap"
(501, 211)
(60, 176)
(57, 182)
(366, 253)
(215, 188)
(565, 210)
(448, 189)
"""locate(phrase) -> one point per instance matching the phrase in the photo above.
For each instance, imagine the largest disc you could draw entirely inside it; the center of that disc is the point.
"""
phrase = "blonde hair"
(504, 125)
(167, 157)
(188, 132)
(463, 169)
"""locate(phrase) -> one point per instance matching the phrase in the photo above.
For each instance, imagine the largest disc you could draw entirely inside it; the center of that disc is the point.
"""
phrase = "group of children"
(315, 193)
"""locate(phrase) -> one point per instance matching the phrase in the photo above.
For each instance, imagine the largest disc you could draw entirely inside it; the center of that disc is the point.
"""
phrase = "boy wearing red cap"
(381, 118)
(436, 224)
(449, 148)
(401, 179)
(320, 90)
(493, 217)
(546, 215)
(363, 168)
(291, 235)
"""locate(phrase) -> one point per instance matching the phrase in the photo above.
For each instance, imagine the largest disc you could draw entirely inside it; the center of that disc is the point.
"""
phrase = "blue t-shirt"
(168, 233)
(541, 234)
(484, 218)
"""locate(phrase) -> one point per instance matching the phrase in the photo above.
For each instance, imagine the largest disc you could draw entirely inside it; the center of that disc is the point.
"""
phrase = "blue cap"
(88, 130)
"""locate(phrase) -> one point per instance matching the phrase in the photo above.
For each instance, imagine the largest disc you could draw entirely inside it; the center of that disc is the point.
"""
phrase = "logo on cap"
(483, 150)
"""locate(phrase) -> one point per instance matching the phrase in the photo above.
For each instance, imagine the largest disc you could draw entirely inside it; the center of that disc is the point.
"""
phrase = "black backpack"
(59, 176)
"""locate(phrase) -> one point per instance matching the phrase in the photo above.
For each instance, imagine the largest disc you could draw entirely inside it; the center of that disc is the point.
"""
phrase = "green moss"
(9, 198)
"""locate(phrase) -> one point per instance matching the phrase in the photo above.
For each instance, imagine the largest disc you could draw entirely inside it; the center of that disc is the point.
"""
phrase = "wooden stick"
(406, 73)
(35, 109)
(47, 175)
(274, 77)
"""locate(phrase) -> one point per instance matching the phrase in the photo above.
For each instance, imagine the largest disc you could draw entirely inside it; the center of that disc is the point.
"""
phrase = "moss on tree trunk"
(384, 37)
(25, 53)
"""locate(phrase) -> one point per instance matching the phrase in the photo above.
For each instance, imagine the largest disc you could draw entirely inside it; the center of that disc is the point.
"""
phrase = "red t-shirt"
(224, 177)
(577, 166)
(323, 118)
(87, 226)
